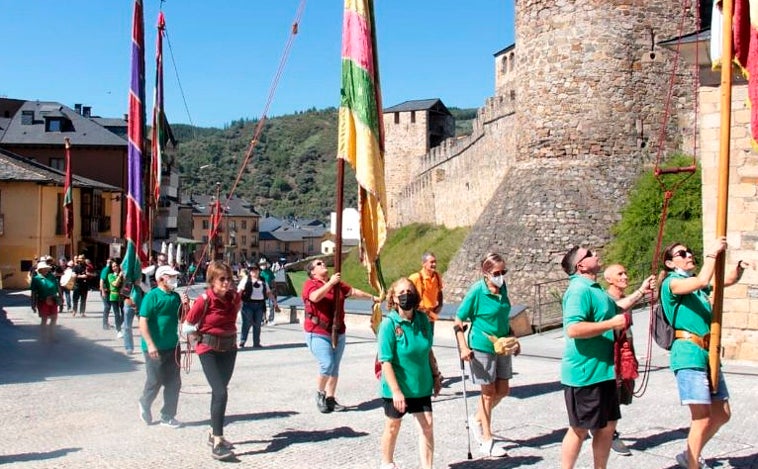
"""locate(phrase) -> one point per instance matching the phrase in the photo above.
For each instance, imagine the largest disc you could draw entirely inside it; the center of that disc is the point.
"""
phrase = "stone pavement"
(73, 404)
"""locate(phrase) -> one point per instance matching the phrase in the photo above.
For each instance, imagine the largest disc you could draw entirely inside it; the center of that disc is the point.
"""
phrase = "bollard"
(293, 314)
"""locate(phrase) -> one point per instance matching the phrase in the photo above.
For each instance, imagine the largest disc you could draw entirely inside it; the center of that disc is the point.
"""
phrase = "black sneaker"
(333, 405)
(321, 403)
(221, 452)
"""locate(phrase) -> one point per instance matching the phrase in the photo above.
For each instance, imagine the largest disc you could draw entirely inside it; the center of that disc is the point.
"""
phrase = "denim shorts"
(693, 387)
(328, 358)
(486, 368)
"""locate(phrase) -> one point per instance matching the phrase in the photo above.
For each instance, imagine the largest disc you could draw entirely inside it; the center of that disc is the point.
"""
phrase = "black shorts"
(592, 407)
(413, 405)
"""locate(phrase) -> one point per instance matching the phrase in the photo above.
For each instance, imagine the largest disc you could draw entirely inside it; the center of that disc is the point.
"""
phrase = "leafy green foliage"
(292, 171)
(634, 237)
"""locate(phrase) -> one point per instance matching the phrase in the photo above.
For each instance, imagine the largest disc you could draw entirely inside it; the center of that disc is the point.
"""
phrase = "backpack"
(663, 332)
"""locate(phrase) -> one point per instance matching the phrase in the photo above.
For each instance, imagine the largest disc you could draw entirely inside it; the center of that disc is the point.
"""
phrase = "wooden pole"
(338, 304)
(714, 350)
(67, 144)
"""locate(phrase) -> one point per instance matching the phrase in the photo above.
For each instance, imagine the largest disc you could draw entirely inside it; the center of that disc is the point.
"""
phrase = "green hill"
(293, 168)
(401, 255)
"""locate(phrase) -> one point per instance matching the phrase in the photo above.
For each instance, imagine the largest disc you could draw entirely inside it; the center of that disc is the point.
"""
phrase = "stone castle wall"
(453, 182)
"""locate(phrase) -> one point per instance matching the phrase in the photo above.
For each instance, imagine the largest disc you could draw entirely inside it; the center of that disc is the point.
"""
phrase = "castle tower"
(590, 88)
(411, 129)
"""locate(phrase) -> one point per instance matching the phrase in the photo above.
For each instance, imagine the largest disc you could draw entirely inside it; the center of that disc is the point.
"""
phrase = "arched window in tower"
(511, 61)
(397, 117)
(413, 117)
(504, 66)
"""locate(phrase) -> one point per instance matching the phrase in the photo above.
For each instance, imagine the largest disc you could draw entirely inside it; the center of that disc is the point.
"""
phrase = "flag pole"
(714, 349)
(338, 304)
(69, 210)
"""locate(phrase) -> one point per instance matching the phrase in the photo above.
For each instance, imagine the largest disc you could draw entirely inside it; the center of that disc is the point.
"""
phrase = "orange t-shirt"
(429, 288)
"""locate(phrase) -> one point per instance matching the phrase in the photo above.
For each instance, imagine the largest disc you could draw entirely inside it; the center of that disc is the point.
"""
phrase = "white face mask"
(172, 283)
(497, 280)
(681, 271)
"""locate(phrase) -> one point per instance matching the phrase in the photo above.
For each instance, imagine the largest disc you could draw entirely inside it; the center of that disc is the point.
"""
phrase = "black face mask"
(408, 301)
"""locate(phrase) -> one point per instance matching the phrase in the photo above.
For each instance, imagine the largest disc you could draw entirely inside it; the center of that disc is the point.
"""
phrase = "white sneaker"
(475, 427)
(488, 448)
(389, 465)
(683, 461)
(119, 335)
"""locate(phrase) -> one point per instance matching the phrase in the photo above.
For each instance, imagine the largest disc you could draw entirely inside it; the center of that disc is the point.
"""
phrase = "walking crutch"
(463, 380)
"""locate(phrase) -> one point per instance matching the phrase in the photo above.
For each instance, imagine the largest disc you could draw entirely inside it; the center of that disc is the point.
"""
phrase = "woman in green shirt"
(684, 298)
(487, 307)
(115, 300)
(409, 371)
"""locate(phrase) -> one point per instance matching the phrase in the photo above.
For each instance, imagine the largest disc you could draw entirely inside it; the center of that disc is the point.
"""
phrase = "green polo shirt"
(268, 276)
(488, 313)
(44, 285)
(587, 361)
(406, 345)
(694, 315)
(162, 312)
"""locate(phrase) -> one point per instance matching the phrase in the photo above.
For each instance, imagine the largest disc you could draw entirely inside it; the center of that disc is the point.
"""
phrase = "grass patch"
(401, 255)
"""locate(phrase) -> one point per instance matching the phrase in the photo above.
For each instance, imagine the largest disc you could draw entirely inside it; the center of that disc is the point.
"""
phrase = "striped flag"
(361, 131)
(68, 196)
(135, 215)
(161, 132)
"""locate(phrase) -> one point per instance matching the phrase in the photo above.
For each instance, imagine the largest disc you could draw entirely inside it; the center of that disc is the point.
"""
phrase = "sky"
(224, 54)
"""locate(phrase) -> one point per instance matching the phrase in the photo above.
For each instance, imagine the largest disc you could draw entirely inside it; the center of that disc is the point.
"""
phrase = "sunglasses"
(318, 263)
(224, 279)
(682, 253)
(587, 255)
(499, 273)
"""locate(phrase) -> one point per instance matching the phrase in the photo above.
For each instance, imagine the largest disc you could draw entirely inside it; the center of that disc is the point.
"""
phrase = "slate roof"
(420, 105)
(16, 168)
(83, 130)
(236, 206)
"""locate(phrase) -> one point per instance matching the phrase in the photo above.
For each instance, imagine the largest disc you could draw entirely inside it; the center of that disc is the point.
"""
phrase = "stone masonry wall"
(740, 319)
(404, 142)
(456, 180)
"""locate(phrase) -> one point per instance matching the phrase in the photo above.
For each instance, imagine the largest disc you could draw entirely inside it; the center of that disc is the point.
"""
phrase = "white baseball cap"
(43, 265)
(164, 270)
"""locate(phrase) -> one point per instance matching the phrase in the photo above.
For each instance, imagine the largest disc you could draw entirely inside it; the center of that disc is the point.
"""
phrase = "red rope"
(668, 191)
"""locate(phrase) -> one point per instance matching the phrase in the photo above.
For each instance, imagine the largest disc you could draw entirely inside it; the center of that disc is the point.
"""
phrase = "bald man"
(618, 281)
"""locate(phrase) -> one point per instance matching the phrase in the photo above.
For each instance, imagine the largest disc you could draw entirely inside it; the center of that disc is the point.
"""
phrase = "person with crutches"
(489, 348)
(409, 371)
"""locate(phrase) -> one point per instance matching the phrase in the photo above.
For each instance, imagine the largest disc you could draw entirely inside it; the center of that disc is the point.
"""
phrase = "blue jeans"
(67, 297)
(271, 311)
(162, 371)
(328, 358)
(129, 312)
(252, 314)
(118, 313)
(694, 389)
(106, 309)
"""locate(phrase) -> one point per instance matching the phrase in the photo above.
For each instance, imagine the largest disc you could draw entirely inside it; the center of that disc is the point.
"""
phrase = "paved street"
(73, 404)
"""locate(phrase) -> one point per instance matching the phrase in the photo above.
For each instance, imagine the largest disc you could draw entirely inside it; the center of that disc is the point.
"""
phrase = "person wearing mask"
(321, 314)
(254, 291)
(213, 319)
(686, 304)
(159, 324)
(410, 376)
(487, 307)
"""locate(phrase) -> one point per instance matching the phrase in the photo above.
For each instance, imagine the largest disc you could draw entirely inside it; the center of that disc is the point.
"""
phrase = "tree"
(635, 235)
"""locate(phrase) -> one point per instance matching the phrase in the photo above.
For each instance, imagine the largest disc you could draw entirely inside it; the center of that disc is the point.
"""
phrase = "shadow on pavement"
(26, 359)
(498, 463)
(288, 438)
(750, 461)
(657, 439)
(536, 389)
(243, 418)
(27, 457)
(539, 441)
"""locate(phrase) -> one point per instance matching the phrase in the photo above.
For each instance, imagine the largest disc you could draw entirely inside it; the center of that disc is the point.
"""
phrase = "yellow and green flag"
(361, 133)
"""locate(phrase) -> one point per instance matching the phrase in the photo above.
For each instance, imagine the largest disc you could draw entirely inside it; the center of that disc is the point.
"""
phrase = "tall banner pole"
(714, 349)
(339, 306)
